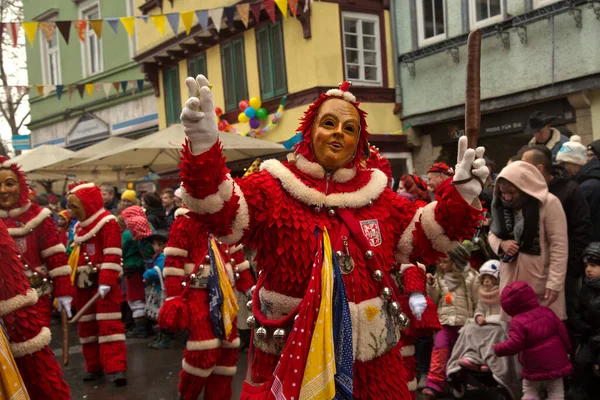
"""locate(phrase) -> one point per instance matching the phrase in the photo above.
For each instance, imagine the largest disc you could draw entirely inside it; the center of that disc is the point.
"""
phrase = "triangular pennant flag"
(40, 90)
(59, 90)
(140, 84)
(173, 19)
(124, 86)
(269, 5)
(188, 20)
(144, 17)
(14, 32)
(64, 27)
(116, 86)
(81, 89)
(89, 88)
(98, 87)
(202, 16)
(70, 91)
(244, 11)
(47, 28)
(229, 13)
(113, 23)
(282, 5)
(30, 28)
(128, 23)
(80, 26)
(107, 87)
(216, 14)
(19, 90)
(255, 8)
(159, 22)
(48, 89)
(96, 25)
(293, 6)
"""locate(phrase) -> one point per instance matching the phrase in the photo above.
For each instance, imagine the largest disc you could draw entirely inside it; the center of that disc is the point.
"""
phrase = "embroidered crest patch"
(371, 231)
(91, 249)
(21, 244)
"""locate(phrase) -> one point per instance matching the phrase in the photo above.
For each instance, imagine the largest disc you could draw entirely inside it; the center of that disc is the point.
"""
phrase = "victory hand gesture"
(470, 172)
(198, 118)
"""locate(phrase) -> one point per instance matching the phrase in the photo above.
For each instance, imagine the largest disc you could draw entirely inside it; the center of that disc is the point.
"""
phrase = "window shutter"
(264, 62)
(278, 57)
(228, 76)
(241, 87)
(172, 96)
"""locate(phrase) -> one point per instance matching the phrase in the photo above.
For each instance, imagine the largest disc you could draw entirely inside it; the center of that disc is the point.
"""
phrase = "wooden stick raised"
(84, 308)
(473, 94)
(64, 319)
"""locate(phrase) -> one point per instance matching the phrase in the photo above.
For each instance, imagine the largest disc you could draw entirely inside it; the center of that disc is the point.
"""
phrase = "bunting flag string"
(243, 10)
(89, 88)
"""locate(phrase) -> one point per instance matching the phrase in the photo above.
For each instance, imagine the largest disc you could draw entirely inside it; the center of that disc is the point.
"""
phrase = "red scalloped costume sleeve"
(246, 280)
(111, 237)
(49, 238)
(414, 280)
(178, 238)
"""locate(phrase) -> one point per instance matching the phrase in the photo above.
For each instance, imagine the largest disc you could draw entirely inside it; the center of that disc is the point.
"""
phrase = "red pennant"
(80, 26)
(14, 34)
(269, 5)
(81, 89)
(117, 86)
(70, 91)
(293, 6)
(255, 8)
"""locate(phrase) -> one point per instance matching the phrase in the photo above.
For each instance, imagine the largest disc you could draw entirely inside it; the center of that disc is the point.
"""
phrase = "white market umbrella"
(161, 150)
(41, 156)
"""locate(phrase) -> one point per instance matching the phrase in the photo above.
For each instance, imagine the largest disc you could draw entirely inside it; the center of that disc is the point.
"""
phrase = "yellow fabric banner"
(74, 259)
(30, 30)
(96, 25)
(11, 384)
(230, 307)
(128, 23)
(188, 20)
(159, 22)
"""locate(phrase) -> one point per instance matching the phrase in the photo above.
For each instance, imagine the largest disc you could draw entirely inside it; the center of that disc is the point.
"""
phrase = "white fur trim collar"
(212, 203)
(15, 212)
(316, 170)
(8, 163)
(181, 211)
(91, 219)
(31, 224)
(94, 230)
(82, 186)
(312, 197)
(344, 95)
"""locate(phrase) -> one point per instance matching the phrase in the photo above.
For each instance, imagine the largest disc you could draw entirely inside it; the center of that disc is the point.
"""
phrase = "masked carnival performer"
(326, 325)
(36, 236)
(97, 257)
(209, 357)
(28, 335)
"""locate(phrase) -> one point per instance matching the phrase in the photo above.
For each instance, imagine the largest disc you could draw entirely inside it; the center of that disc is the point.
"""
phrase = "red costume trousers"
(209, 363)
(44, 308)
(101, 332)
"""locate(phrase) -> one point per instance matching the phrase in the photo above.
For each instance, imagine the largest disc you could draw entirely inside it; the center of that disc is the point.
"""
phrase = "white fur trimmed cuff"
(408, 351)
(435, 233)
(60, 271)
(225, 371)
(234, 344)
(241, 221)
(175, 252)
(242, 266)
(108, 316)
(89, 339)
(111, 267)
(88, 318)
(171, 271)
(111, 338)
(32, 345)
(202, 373)
(212, 203)
(50, 251)
(19, 301)
(412, 385)
(404, 267)
(112, 251)
(199, 345)
(406, 242)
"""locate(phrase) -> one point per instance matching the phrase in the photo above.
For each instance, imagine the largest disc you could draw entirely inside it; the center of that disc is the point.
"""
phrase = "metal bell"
(378, 275)
(339, 253)
(403, 321)
(207, 258)
(318, 209)
(26, 266)
(226, 251)
(45, 280)
(94, 270)
(19, 256)
(252, 290)
(331, 212)
(184, 283)
(193, 276)
(251, 321)
(280, 335)
(260, 333)
(369, 254)
(201, 267)
(394, 308)
(237, 276)
(370, 202)
(386, 292)
(86, 257)
(249, 305)
(35, 274)
(232, 261)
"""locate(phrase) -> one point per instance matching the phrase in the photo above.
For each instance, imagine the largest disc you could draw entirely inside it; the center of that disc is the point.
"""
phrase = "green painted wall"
(118, 65)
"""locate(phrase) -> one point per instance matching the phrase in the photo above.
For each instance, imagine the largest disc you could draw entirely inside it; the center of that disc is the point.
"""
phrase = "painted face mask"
(14, 191)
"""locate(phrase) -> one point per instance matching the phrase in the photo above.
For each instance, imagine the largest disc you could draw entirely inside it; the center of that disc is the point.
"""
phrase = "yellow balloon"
(255, 103)
(243, 118)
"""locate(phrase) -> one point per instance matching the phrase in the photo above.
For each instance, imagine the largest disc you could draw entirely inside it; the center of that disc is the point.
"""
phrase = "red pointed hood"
(90, 196)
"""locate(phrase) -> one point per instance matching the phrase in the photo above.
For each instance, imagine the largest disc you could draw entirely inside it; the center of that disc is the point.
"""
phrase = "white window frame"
(543, 3)
(84, 11)
(488, 21)
(46, 53)
(421, 26)
(130, 4)
(370, 18)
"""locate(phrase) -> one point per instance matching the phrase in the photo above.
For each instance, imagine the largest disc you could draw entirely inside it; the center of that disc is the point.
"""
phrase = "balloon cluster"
(252, 112)
(223, 124)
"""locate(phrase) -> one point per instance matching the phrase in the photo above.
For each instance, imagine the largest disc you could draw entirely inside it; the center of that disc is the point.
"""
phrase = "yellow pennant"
(188, 20)
(283, 7)
(30, 30)
(128, 23)
(89, 88)
(96, 25)
(40, 90)
(159, 22)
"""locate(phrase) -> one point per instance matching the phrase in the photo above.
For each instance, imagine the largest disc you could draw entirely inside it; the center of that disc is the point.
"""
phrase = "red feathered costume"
(42, 253)
(101, 332)
(277, 211)
(25, 325)
(208, 361)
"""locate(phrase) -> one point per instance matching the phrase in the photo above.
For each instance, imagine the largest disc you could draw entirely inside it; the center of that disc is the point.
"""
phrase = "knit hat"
(129, 195)
(491, 267)
(441, 168)
(460, 255)
(178, 193)
(595, 147)
(90, 196)
(137, 223)
(572, 151)
(65, 214)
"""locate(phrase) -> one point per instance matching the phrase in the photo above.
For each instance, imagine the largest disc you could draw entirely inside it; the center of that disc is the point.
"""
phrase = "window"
(485, 12)
(197, 66)
(51, 74)
(92, 47)
(133, 39)
(234, 73)
(271, 60)
(172, 94)
(542, 3)
(431, 18)
(362, 44)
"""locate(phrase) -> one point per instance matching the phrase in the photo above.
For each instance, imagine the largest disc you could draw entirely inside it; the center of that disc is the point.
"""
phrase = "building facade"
(75, 120)
(297, 57)
(537, 55)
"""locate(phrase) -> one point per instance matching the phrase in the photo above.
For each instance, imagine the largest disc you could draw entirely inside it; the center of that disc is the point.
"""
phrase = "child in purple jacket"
(540, 338)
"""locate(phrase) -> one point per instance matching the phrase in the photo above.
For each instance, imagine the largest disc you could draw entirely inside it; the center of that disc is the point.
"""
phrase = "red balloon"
(218, 111)
(243, 105)
(223, 125)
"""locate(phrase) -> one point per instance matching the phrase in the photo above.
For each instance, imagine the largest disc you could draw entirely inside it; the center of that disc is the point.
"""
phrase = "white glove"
(417, 304)
(64, 302)
(200, 126)
(470, 165)
(103, 290)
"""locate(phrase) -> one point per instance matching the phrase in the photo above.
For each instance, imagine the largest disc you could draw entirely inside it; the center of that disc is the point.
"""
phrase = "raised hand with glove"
(470, 172)
(64, 302)
(198, 118)
(418, 304)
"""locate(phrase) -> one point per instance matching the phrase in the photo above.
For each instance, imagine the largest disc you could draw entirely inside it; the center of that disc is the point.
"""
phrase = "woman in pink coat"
(540, 338)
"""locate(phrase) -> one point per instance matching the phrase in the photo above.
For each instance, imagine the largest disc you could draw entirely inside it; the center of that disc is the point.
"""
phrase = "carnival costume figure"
(210, 356)
(25, 326)
(39, 246)
(325, 229)
(96, 259)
